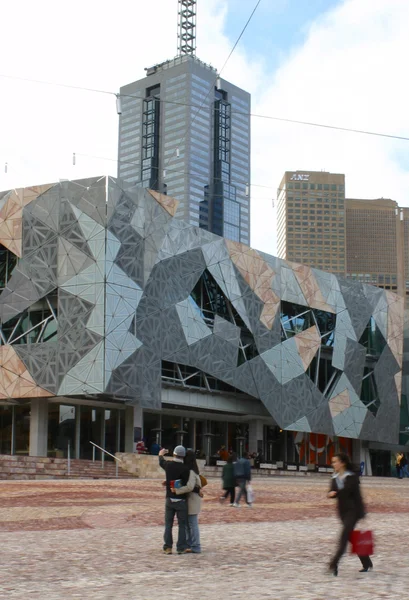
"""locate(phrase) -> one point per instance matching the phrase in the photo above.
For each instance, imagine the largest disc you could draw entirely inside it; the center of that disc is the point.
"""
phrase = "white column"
(77, 431)
(38, 427)
(255, 434)
(137, 425)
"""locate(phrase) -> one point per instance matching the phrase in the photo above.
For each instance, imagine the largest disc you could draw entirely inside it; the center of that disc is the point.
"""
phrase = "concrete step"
(33, 467)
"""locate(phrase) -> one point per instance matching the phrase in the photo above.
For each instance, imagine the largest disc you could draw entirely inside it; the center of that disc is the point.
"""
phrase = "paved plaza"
(102, 540)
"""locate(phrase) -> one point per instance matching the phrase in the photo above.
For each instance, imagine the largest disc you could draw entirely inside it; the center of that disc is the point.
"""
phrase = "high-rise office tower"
(311, 219)
(377, 243)
(185, 132)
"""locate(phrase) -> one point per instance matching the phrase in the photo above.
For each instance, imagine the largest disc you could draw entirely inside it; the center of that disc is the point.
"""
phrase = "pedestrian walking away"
(229, 480)
(194, 503)
(398, 465)
(176, 471)
(345, 489)
(242, 472)
(403, 463)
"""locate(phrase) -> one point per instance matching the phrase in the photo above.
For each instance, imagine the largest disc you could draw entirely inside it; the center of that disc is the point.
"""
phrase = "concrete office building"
(311, 219)
(119, 321)
(185, 132)
(377, 241)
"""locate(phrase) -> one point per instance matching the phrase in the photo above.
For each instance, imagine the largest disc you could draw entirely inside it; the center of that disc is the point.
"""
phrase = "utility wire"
(137, 164)
(200, 107)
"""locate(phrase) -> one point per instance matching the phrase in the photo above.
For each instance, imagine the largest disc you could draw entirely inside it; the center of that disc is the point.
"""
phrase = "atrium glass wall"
(6, 429)
(61, 430)
(22, 429)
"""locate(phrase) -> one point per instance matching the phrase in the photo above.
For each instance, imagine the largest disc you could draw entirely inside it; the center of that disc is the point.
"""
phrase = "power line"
(137, 164)
(201, 106)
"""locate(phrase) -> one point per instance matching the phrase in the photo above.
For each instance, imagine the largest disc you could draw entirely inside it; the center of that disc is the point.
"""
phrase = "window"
(231, 212)
(231, 232)
(8, 261)
(36, 324)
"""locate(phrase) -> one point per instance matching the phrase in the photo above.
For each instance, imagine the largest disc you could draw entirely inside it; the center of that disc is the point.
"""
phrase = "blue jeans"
(179, 509)
(405, 471)
(193, 533)
(242, 490)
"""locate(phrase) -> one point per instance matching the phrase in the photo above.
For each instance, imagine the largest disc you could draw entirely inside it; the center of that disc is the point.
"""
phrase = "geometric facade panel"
(104, 287)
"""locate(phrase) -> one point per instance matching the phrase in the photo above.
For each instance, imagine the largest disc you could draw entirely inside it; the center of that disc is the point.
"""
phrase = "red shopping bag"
(362, 542)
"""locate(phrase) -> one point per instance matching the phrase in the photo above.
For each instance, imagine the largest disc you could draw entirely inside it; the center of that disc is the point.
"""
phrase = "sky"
(335, 62)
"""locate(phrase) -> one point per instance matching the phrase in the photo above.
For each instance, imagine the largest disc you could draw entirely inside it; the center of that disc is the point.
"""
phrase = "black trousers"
(348, 525)
(232, 492)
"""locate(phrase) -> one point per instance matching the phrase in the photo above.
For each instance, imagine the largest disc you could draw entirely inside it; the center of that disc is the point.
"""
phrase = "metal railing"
(117, 460)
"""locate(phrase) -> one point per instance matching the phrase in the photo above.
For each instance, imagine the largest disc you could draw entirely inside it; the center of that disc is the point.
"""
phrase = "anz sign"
(299, 177)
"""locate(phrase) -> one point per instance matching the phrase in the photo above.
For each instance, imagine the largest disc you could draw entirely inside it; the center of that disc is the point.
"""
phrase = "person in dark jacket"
(404, 465)
(398, 465)
(175, 505)
(345, 489)
(229, 480)
(242, 473)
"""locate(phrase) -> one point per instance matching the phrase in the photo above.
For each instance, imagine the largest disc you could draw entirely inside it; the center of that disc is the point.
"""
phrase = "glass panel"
(8, 261)
(91, 426)
(151, 424)
(111, 432)
(373, 339)
(22, 429)
(6, 423)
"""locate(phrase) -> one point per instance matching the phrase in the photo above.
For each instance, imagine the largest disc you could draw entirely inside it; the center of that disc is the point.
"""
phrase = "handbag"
(203, 480)
(362, 542)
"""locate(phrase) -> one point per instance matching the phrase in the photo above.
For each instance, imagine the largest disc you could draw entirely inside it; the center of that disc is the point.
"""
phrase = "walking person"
(194, 503)
(398, 465)
(404, 466)
(242, 473)
(229, 480)
(345, 489)
(175, 505)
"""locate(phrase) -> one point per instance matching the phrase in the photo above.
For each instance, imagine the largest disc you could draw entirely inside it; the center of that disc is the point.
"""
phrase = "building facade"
(311, 219)
(120, 321)
(186, 133)
(377, 243)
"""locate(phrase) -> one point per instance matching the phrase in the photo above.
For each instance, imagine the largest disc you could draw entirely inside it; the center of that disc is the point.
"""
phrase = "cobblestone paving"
(103, 539)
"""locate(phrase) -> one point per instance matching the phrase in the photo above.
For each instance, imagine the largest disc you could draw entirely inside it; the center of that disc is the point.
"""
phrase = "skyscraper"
(311, 219)
(185, 132)
(377, 243)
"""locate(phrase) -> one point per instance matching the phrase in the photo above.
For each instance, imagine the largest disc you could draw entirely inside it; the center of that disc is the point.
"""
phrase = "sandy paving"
(103, 539)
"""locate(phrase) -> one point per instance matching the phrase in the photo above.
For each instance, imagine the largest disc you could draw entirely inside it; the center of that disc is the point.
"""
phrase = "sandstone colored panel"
(308, 343)
(167, 202)
(310, 287)
(258, 275)
(15, 380)
(339, 403)
(395, 325)
(11, 215)
(398, 383)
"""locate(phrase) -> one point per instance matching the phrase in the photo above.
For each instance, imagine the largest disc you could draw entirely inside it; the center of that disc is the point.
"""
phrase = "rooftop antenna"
(187, 27)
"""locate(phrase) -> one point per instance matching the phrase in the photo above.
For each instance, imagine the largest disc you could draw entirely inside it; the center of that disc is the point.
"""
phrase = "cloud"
(349, 71)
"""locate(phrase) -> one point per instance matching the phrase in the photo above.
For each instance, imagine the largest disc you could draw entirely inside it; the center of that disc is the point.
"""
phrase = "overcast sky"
(327, 61)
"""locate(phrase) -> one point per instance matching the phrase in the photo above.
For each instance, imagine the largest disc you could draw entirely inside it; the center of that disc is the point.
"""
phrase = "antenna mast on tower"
(187, 27)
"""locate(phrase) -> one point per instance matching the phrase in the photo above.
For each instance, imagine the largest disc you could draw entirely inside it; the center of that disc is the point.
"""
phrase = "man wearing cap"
(175, 505)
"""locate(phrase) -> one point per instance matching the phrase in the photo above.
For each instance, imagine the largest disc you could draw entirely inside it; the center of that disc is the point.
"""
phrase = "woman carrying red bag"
(345, 488)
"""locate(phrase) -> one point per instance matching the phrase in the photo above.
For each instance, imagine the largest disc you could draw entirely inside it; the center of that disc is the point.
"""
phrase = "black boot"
(368, 566)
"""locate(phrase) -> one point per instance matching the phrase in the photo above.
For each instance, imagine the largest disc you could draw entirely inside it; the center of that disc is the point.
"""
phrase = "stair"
(81, 469)
(37, 467)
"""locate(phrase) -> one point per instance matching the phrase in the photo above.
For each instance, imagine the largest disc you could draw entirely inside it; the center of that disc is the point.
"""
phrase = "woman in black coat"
(345, 488)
